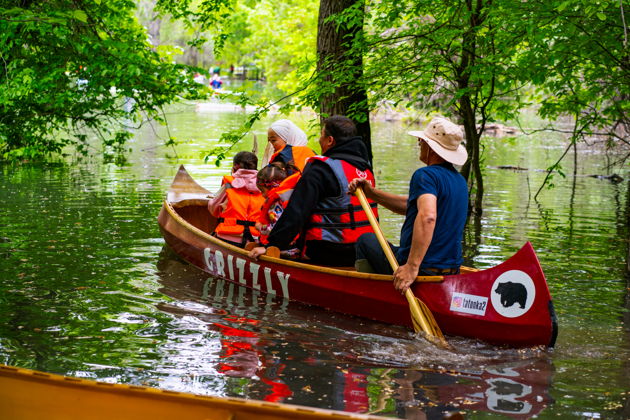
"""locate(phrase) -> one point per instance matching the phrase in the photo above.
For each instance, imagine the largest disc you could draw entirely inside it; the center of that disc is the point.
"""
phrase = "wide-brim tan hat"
(445, 138)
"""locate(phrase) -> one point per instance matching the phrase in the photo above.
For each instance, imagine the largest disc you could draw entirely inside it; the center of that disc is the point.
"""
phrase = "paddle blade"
(436, 336)
(273, 252)
(423, 321)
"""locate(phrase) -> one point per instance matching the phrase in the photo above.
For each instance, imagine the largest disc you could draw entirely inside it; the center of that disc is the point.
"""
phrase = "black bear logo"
(507, 388)
(507, 405)
(512, 293)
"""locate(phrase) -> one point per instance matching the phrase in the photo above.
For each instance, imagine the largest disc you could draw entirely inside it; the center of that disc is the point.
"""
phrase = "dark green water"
(88, 290)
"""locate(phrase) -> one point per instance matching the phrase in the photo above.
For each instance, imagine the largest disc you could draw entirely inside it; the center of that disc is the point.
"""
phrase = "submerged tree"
(71, 67)
(486, 60)
(454, 57)
(338, 87)
(579, 65)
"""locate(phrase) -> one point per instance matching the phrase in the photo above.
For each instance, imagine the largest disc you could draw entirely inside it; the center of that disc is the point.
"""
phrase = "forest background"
(75, 69)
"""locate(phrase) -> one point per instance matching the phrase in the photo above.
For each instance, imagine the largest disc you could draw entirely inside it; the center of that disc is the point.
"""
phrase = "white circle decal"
(513, 293)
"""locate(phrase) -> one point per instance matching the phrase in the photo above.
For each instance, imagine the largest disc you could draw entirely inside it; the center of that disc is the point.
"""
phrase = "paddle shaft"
(377, 230)
(431, 329)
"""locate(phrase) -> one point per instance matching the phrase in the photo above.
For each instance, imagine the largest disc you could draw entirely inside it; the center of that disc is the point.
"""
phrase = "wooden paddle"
(421, 316)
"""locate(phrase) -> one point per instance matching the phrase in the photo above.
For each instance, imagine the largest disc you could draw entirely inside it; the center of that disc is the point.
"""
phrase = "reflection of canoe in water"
(27, 394)
(507, 304)
(255, 347)
(518, 390)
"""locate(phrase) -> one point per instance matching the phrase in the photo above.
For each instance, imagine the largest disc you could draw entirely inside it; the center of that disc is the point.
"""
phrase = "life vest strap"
(341, 210)
(232, 221)
(350, 225)
(247, 233)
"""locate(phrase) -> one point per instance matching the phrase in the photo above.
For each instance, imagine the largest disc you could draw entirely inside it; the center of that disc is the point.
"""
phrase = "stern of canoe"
(506, 304)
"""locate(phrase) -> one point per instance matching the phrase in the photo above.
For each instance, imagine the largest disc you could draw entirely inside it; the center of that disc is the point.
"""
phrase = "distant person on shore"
(237, 203)
(216, 81)
(328, 220)
(435, 211)
(199, 78)
(289, 144)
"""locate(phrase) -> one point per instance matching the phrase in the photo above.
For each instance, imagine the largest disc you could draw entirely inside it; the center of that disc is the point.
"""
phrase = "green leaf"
(563, 5)
(601, 16)
(80, 15)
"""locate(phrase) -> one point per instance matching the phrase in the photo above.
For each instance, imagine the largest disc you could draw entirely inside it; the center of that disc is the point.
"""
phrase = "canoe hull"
(508, 304)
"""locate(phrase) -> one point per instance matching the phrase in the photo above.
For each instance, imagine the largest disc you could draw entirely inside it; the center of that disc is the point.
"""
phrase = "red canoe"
(508, 304)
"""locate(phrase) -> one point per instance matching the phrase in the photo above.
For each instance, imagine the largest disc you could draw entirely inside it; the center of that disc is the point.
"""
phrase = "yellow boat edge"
(27, 394)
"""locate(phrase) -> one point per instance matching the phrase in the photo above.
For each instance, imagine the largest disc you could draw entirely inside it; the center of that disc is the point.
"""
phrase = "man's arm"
(423, 228)
(393, 202)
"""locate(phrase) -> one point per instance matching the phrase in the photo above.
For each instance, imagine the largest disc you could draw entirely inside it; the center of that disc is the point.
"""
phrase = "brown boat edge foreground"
(32, 395)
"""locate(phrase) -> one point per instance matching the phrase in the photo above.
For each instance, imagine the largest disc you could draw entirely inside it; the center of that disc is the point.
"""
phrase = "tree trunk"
(575, 159)
(628, 241)
(466, 109)
(475, 182)
(154, 30)
(147, 12)
(341, 67)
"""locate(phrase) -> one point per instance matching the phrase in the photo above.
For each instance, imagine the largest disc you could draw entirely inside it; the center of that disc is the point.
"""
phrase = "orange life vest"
(341, 219)
(295, 155)
(242, 210)
(280, 195)
(276, 201)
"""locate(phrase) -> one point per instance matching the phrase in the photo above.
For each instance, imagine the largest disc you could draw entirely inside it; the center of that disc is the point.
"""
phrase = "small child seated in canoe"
(237, 203)
(276, 185)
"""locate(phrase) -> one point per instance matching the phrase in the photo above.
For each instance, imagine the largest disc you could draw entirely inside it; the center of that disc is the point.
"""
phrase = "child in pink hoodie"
(237, 203)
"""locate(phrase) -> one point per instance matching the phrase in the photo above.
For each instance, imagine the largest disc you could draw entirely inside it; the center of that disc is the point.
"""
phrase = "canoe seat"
(273, 252)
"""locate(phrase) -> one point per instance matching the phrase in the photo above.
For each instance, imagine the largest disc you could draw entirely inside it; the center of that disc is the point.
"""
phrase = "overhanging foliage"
(71, 68)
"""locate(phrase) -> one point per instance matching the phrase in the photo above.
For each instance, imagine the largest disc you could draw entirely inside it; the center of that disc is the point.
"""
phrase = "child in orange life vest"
(276, 185)
(237, 204)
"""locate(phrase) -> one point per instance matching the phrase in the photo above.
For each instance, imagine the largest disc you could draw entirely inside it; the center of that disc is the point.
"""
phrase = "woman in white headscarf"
(289, 144)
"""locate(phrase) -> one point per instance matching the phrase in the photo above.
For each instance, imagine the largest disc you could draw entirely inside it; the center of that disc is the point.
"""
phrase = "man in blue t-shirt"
(435, 211)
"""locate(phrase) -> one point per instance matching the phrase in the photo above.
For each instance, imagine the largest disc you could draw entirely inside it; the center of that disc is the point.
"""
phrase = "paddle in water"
(421, 316)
